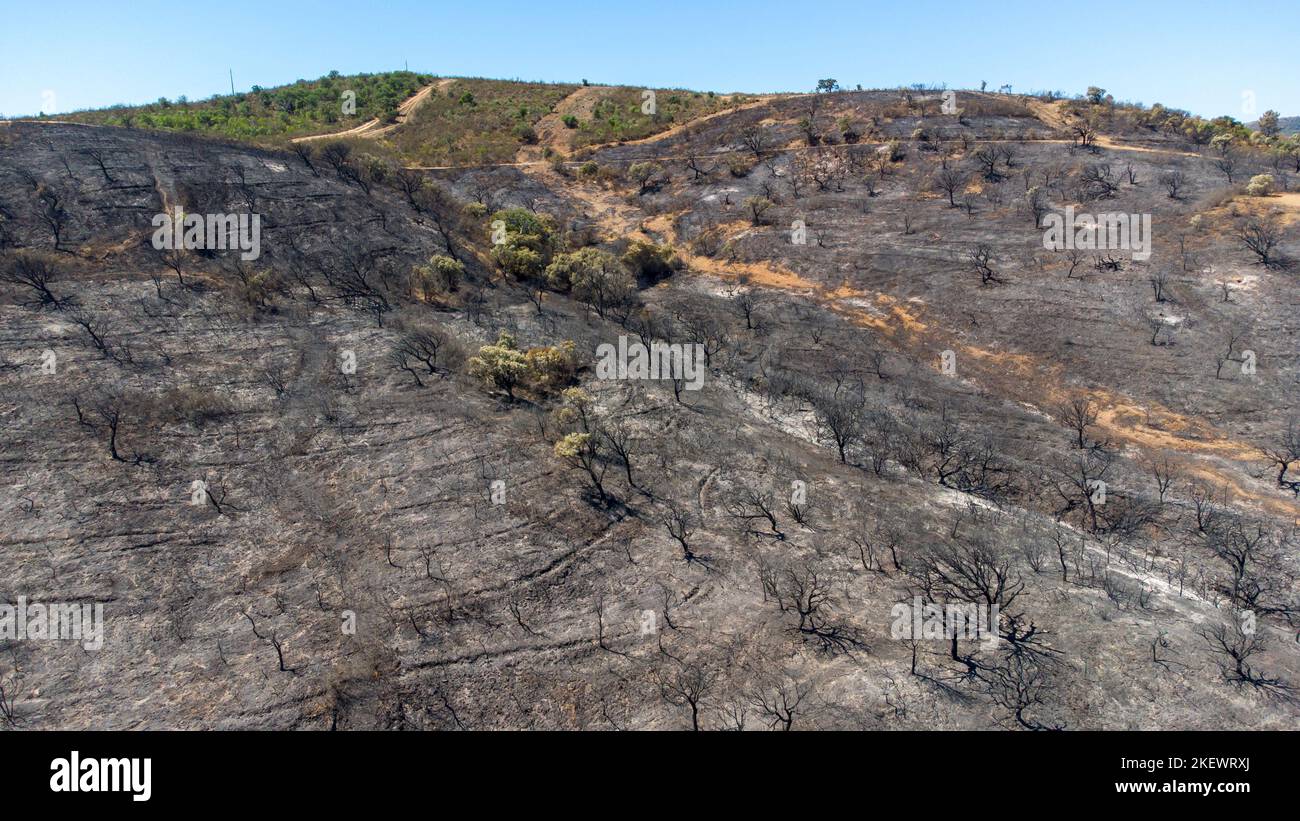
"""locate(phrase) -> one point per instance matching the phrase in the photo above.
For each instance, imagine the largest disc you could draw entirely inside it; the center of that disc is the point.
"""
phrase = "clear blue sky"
(1200, 56)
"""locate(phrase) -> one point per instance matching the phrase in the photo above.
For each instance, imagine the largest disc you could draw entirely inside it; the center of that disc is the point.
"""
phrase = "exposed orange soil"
(1052, 114)
(1107, 142)
(1151, 429)
(1284, 205)
(1148, 428)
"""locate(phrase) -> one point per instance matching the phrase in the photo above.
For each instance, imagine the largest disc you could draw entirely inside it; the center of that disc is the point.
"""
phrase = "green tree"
(1268, 123)
(441, 275)
(649, 262)
(552, 366)
(757, 207)
(525, 248)
(582, 452)
(645, 175)
(501, 366)
(595, 277)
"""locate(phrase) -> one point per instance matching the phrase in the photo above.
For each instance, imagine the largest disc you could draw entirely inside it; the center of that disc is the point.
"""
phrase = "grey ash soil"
(366, 494)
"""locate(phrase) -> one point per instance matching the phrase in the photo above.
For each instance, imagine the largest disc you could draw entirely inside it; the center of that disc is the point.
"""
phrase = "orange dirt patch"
(1004, 360)
(1151, 428)
(777, 277)
(1284, 205)
(1051, 114)
(1238, 492)
(1108, 142)
(1166, 430)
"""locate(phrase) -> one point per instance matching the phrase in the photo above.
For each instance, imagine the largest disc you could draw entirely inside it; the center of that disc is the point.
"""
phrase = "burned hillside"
(375, 477)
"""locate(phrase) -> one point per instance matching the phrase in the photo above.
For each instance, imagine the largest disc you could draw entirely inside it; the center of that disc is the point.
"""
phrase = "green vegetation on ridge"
(476, 122)
(619, 114)
(271, 114)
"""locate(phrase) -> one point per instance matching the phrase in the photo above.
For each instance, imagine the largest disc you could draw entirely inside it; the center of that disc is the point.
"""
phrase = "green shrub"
(502, 366)
(645, 175)
(526, 134)
(441, 275)
(739, 165)
(1260, 185)
(650, 262)
(594, 277)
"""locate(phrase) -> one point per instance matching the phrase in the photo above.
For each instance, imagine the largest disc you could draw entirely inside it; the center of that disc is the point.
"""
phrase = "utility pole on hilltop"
(232, 82)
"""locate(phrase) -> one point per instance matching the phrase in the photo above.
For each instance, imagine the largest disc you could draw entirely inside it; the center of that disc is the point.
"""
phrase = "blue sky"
(1200, 56)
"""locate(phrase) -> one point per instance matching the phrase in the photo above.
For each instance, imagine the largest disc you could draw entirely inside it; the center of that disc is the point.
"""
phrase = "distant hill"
(459, 121)
(1289, 125)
